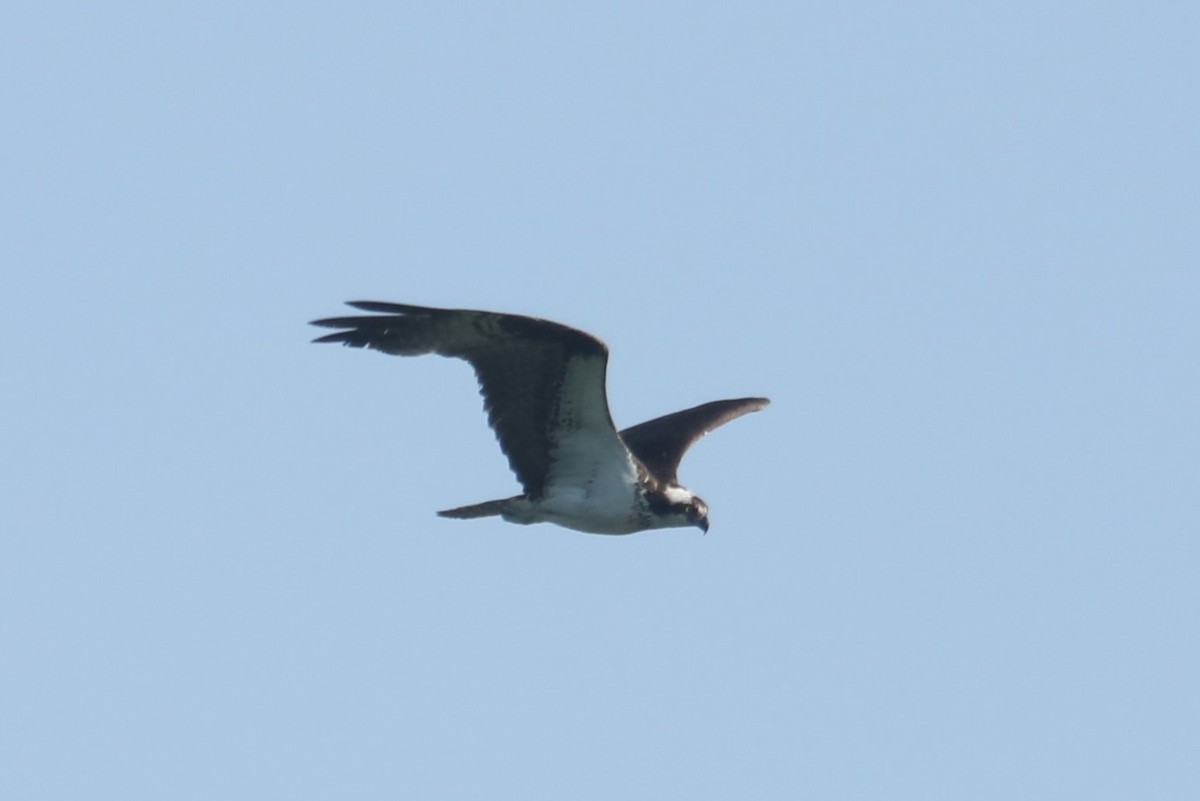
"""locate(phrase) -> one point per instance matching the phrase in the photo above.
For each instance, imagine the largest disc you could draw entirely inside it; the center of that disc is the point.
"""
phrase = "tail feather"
(485, 509)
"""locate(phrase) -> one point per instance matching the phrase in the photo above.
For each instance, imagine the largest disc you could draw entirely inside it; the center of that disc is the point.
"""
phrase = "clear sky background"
(958, 245)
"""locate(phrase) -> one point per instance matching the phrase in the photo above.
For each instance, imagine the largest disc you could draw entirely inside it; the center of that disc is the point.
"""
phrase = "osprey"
(544, 394)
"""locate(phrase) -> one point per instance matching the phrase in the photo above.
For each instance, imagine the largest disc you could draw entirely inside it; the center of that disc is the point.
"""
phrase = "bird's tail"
(485, 509)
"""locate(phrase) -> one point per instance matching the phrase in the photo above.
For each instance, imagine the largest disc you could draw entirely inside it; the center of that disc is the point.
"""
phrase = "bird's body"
(543, 385)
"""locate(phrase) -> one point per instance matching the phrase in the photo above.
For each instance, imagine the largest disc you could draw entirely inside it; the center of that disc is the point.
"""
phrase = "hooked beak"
(702, 523)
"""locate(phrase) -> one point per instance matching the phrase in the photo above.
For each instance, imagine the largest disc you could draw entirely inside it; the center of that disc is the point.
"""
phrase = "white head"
(673, 507)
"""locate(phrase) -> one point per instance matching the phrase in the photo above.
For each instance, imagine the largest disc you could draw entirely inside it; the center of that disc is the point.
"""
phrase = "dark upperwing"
(660, 443)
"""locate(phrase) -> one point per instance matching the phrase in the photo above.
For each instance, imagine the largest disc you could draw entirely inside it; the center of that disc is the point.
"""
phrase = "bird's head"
(675, 506)
(697, 512)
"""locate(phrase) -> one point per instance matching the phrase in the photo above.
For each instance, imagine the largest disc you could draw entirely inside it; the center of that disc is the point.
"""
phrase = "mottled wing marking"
(522, 367)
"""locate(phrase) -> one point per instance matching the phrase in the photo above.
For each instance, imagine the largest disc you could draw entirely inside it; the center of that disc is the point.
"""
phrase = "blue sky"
(956, 244)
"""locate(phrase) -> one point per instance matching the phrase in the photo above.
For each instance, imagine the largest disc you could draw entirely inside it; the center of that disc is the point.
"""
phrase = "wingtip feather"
(383, 307)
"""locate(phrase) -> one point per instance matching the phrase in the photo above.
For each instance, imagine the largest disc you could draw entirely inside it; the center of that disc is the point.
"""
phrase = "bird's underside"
(543, 385)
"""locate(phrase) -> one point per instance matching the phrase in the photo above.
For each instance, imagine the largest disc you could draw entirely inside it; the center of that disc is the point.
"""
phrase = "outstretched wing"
(543, 383)
(660, 443)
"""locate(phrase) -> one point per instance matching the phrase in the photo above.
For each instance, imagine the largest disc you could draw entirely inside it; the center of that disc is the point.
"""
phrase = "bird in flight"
(543, 385)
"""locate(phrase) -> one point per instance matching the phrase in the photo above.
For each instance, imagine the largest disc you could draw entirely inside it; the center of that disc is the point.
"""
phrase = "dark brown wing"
(660, 443)
(521, 363)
